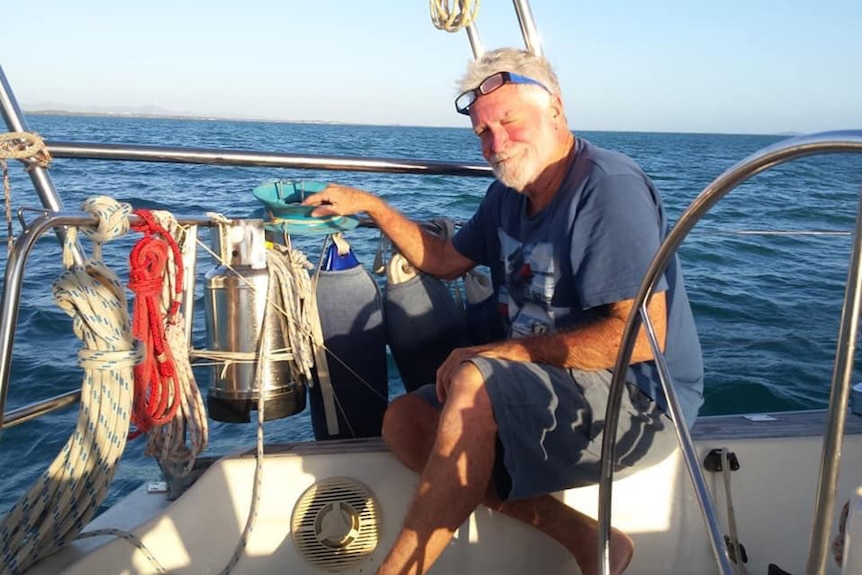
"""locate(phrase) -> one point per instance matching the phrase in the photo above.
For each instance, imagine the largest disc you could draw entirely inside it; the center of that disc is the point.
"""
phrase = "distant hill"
(155, 113)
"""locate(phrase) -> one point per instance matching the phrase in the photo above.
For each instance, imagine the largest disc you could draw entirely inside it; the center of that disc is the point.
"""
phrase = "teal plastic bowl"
(283, 201)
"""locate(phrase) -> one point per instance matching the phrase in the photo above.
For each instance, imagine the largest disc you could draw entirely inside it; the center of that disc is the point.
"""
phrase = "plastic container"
(336, 262)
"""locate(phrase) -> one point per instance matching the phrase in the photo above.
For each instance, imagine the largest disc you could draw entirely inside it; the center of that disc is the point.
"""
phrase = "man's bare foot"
(622, 549)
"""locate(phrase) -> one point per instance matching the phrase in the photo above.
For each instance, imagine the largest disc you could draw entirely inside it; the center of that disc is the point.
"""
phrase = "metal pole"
(528, 27)
(224, 157)
(39, 409)
(475, 42)
(824, 503)
(12, 296)
(38, 175)
(784, 151)
(190, 257)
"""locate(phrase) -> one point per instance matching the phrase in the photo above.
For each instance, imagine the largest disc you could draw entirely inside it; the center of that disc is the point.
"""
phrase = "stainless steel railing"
(12, 298)
(56, 219)
(785, 151)
(166, 154)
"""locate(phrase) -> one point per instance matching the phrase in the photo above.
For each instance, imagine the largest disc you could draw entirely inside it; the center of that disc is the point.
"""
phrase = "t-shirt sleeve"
(475, 237)
(616, 234)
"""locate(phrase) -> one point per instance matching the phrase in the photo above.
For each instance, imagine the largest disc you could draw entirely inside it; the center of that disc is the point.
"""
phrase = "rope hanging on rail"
(70, 491)
(176, 442)
(455, 18)
(289, 291)
(30, 149)
(156, 386)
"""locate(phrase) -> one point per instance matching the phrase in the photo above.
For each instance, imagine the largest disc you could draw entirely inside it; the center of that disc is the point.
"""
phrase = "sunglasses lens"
(491, 83)
(488, 85)
(464, 101)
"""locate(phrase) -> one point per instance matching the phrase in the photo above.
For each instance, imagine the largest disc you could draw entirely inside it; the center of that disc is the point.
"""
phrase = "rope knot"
(28, 147)
(148, 261)
(113, 218)
(108, 360)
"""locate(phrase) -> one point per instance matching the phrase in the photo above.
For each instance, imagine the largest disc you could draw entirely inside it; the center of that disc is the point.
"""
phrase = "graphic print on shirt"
(527, 292)
(529, 286)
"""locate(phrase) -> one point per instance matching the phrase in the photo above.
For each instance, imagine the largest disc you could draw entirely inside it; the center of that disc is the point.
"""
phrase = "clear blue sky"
(743, 66)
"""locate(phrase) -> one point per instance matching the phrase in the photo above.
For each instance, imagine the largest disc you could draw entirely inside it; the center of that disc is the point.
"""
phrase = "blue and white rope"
(70, 491)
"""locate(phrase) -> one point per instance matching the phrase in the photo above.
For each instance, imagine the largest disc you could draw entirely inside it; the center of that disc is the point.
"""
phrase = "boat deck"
(784, 424)
(777, 424)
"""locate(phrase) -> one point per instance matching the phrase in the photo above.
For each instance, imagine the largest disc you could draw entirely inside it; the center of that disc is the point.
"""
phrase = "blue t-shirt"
(591, 246)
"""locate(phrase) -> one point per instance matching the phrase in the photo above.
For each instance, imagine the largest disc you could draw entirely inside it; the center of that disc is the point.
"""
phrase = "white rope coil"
(177, 444)
(455, 18)
(289, 291)
(73, 487)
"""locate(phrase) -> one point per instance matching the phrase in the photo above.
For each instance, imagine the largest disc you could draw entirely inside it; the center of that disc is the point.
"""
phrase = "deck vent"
(336, 523)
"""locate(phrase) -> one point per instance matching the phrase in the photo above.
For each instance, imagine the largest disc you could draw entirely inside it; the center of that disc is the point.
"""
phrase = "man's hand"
(448, 368)
(340, 201)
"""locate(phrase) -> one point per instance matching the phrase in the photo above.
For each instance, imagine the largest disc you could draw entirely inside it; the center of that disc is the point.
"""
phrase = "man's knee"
(469, 386)
(407, 418)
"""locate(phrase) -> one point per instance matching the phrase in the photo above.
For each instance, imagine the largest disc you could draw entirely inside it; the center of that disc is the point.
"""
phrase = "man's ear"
(556, 107)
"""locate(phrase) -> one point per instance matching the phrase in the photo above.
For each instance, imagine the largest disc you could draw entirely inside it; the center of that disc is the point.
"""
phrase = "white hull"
(773, 493)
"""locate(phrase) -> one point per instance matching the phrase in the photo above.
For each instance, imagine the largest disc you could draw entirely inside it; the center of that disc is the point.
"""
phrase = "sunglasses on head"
(488, 85)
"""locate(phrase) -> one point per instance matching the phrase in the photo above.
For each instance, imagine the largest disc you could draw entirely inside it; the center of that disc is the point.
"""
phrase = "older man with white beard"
(568, 230)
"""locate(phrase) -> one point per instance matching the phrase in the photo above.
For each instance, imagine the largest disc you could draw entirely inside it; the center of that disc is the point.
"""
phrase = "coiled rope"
(70, 491)
(157, 393)
(288, 293)
(30, 149)
(168, 402)
(455, 18)
(289, 290)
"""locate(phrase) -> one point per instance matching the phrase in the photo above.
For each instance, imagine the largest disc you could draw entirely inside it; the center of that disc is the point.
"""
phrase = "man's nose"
(497, 139)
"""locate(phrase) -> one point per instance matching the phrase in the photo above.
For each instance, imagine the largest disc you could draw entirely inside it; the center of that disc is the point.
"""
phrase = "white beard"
(516, 172)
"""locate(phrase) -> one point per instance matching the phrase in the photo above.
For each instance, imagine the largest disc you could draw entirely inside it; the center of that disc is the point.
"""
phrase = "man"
(568, 231)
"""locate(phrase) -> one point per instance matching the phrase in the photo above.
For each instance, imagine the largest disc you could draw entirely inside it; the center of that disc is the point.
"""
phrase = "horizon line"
(181, 116)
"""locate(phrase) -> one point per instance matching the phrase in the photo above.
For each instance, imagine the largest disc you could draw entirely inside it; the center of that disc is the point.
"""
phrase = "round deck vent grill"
(336, 523)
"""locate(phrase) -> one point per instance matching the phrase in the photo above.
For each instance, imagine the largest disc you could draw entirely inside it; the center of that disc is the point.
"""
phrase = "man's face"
(514, 124)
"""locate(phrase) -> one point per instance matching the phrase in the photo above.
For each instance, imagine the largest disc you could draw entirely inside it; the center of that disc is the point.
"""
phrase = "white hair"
(513, 60)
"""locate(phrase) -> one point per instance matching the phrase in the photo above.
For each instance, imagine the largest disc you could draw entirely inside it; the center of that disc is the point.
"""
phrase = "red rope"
(157, 390)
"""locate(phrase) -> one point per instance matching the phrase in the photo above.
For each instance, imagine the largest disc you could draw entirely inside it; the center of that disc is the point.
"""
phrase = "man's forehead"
(501, 103)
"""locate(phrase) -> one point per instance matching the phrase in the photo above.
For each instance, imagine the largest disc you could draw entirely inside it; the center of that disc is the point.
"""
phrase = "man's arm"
(591, 346)
(423, 249)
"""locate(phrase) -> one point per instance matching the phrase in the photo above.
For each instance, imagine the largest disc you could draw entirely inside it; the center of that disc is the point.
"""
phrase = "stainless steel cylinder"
(240, 324)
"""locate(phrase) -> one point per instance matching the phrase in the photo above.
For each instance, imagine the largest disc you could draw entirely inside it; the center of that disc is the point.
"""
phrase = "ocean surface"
(765, 269)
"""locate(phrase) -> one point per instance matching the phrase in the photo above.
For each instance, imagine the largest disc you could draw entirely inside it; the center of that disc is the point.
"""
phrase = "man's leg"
(569, 527)
(454, 479)
(410, 428)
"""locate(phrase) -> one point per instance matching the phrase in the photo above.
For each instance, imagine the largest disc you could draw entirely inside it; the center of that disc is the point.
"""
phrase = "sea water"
(765, 269)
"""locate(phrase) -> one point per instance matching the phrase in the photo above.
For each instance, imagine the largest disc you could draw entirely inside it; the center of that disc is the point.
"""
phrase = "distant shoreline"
(166, 116)
(169, 116)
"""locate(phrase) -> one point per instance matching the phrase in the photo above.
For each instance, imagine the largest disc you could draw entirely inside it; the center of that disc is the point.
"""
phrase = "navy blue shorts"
(550, 424)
